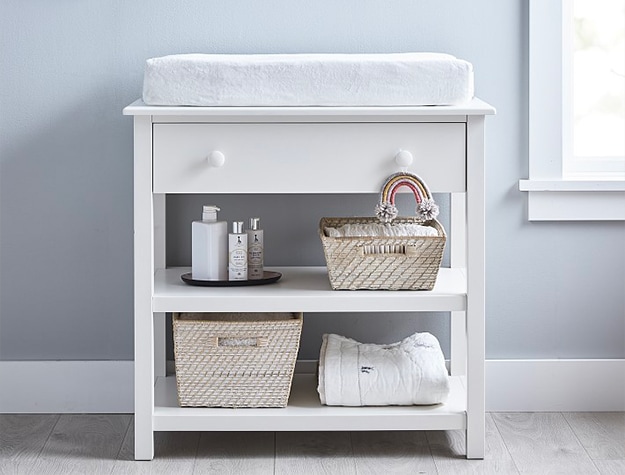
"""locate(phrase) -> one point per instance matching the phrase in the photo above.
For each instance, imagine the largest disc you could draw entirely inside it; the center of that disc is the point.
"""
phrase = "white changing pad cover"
(408, 372)
(394, 79)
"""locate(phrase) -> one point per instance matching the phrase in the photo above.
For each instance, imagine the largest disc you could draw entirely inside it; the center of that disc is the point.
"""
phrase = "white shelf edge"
(304, 289)
(305, 413)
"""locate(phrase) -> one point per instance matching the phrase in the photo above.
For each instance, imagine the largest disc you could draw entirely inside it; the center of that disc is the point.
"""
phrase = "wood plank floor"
(516, 443)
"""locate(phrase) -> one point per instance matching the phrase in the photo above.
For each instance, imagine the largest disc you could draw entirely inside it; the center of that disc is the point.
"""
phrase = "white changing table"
(291, 150)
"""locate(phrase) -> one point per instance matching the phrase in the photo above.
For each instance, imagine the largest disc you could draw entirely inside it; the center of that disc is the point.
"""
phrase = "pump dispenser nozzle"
(209, 212)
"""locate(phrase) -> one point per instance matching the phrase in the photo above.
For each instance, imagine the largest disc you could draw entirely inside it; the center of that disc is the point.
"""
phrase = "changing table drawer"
(303, 157)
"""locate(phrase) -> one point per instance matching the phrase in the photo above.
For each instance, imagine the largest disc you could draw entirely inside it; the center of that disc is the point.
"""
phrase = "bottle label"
(238, 258)
(255, 254)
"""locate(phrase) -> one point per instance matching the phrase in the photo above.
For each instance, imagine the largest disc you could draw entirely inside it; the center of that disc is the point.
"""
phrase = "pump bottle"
(209, 246)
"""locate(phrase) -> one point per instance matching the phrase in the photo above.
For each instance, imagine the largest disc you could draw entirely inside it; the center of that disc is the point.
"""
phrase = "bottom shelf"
(305, 413)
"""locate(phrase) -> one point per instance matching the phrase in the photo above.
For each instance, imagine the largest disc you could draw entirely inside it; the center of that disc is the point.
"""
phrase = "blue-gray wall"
(68, 67)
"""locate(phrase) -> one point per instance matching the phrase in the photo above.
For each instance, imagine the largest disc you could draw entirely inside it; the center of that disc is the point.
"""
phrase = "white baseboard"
(511, 386)
(555, 385)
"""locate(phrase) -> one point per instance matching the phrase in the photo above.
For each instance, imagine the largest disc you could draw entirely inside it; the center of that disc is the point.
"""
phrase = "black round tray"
(269, 277)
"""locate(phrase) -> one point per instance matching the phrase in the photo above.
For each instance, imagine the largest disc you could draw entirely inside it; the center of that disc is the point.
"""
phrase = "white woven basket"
(387, 263)
(235, 359)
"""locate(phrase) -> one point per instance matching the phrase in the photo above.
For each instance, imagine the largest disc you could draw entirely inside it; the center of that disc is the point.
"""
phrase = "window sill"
(575, 200)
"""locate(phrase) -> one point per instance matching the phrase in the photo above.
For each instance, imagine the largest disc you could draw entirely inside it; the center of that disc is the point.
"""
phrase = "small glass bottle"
(237, 252)
(255, 250)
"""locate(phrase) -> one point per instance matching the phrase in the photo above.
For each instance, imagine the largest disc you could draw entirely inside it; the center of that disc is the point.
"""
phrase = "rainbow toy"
(386, 210)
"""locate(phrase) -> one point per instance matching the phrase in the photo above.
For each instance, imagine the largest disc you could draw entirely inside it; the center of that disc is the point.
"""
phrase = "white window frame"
(551, 197)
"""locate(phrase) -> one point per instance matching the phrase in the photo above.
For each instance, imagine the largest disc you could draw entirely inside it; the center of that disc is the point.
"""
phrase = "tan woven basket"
(406, 263)
(235, 359)
(386, 263)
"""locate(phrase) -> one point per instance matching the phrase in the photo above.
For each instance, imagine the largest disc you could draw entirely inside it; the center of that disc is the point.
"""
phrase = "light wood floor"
(517, 443)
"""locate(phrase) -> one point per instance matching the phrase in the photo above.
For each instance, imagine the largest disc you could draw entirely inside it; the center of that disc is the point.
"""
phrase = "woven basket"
(386, 263)
(235, 359)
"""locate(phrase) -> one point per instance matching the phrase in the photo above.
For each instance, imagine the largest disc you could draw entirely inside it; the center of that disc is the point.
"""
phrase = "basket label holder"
(238, 341)
(381, 250)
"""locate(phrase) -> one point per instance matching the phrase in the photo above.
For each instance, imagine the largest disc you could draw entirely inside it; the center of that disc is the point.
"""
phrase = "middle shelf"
(305, 289)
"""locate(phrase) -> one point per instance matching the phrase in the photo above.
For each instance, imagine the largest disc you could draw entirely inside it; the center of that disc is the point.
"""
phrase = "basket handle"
(389, 250)
(238, 341)
(386, 211)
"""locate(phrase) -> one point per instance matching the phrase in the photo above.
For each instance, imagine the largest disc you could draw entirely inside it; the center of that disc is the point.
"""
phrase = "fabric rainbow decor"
(386, 210)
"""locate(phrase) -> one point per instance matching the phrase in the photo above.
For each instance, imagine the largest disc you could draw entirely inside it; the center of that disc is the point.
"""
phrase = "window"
(594, 111)
(576, 110)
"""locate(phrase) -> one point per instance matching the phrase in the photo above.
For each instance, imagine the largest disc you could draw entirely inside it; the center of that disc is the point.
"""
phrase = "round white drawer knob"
(217, 159)
(403, 158)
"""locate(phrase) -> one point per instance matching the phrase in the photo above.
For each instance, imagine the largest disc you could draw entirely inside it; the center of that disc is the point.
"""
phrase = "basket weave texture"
(235, 359)
(382, 263)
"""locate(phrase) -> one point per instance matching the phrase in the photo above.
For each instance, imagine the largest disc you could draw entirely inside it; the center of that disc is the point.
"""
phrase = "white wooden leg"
(143, 278)
(160, 355)
(475, 287)
(144, 389)
(458, 255)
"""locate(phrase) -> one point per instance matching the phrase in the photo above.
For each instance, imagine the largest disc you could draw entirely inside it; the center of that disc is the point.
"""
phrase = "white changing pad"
(396, 79)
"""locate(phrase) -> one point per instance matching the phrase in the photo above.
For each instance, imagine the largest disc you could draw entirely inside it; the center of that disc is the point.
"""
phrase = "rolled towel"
(408, 372)
(381, 230)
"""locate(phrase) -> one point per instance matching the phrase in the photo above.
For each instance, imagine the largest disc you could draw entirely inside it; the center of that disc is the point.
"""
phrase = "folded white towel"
(307, 79)
(380, 230)
(409, 372)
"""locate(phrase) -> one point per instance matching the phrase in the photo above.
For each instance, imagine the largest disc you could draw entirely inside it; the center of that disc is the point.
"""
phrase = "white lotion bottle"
(209, 246)
(237, 252)
(255, 250)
